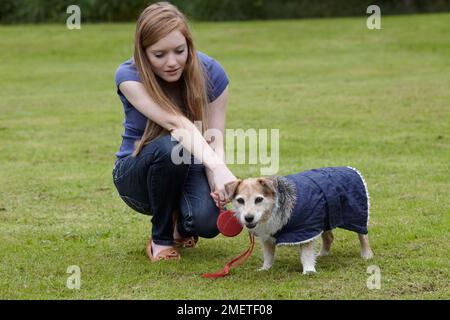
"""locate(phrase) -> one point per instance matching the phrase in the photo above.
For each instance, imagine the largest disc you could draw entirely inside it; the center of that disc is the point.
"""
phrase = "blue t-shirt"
(135, 121)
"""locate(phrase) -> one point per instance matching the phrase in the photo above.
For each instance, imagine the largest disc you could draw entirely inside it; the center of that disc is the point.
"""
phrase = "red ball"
(228, 224)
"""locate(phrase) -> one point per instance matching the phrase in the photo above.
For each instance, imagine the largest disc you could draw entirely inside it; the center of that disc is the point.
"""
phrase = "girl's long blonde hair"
(154, 23)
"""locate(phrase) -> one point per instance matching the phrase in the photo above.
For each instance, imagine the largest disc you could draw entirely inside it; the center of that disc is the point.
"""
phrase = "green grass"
(340, 94)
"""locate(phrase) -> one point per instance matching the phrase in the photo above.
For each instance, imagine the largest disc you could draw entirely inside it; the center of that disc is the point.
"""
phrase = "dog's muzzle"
(250, 221)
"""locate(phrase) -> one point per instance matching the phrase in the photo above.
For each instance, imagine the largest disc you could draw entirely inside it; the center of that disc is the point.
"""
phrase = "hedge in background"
(38, 11)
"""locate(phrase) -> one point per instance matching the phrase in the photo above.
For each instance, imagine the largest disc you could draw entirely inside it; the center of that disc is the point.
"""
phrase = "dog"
(298, 208)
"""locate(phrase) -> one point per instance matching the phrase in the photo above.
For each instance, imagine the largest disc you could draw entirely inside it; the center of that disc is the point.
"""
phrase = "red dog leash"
(230, 226)
(233, 263)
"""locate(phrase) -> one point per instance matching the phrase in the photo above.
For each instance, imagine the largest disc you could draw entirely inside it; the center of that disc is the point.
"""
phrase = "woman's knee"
(207, 230)
(163, 149)
(203, 222)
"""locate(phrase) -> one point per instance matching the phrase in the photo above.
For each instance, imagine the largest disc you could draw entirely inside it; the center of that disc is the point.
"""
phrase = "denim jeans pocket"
(138, 206)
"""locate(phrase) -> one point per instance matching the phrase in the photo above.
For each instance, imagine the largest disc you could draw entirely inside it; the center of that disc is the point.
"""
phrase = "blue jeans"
(152, 184)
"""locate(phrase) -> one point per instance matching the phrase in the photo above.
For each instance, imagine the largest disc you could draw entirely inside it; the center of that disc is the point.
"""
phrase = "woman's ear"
(231, 188)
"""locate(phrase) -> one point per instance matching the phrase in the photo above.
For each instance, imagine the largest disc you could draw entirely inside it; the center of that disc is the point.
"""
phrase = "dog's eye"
(240, 200)
(258, 199)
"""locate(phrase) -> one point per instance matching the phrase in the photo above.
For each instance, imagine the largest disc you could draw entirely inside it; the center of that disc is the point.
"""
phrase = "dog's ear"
(269, 184)
(231, 188)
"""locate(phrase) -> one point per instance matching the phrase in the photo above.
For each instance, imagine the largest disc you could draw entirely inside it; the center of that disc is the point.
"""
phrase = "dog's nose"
(249, 218)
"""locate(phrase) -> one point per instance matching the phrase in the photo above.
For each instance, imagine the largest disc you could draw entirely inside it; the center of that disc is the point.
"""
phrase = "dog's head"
(253, 199)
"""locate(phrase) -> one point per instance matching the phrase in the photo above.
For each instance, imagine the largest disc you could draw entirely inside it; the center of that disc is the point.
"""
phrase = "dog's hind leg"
(366, 252)
(327, 240)
(308, 257)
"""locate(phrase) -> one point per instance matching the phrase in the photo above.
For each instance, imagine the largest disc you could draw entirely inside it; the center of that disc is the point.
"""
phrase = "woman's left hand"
(216, 198)
(213, 194)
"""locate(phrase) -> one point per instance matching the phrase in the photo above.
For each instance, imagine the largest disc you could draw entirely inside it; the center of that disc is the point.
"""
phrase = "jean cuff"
(182, 231)
(163, 242)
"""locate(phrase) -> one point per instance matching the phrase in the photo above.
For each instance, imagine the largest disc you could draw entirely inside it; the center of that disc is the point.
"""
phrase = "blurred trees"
(37, 11)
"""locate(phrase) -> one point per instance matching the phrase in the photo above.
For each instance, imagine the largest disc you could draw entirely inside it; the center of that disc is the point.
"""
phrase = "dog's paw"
(264, 268)
(367, 254)
(323, 253)
(309, 271)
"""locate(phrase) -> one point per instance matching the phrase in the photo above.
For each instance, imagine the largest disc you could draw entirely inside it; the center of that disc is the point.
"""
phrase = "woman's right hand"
(220, 176)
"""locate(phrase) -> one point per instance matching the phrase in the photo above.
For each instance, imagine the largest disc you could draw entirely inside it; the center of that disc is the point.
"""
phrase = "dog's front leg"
(308, 257)
(268, 246)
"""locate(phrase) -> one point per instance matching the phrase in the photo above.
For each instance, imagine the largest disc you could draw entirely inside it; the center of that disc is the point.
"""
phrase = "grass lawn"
(340, 94)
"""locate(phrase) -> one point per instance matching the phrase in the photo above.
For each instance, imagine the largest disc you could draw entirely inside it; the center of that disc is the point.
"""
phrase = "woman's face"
(168, 56)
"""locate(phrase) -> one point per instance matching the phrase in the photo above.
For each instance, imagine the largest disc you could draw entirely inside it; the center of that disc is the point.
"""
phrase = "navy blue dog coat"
(326, 198)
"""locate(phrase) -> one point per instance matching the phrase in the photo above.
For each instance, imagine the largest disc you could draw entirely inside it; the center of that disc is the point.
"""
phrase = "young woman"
(165, 88)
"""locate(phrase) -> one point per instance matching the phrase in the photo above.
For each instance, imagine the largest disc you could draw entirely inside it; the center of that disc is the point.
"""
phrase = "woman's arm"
(216, 120)
(180, 126)
(177, 125)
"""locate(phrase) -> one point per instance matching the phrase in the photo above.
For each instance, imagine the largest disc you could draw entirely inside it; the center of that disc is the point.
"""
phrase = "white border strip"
(297, 243)
(367, 192)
